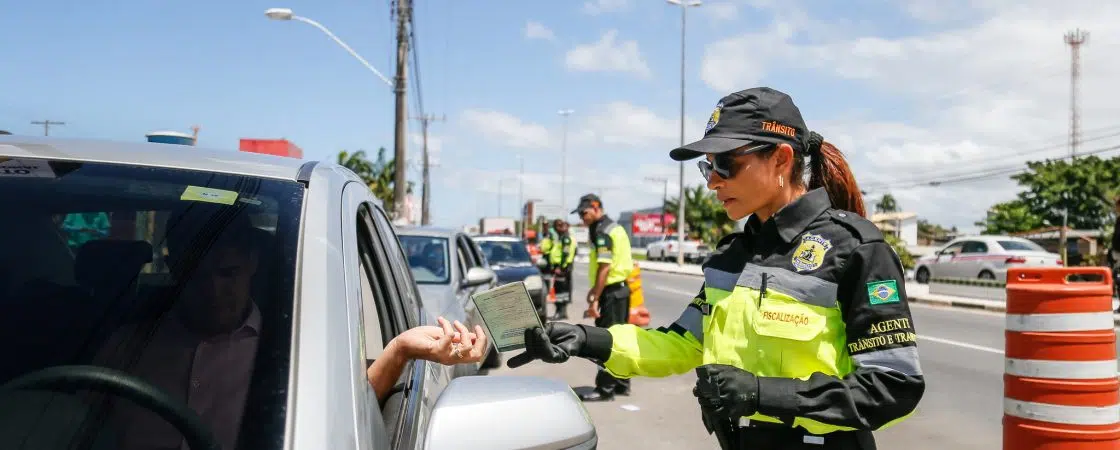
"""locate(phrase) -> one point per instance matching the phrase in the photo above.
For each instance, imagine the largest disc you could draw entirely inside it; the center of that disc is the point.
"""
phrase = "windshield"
(1021, 245)
(504, 252)
(178, 278)
(427, 256)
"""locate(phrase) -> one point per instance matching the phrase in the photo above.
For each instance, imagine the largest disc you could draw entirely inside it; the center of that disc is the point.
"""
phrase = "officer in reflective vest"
(608, 300)
(800, 336)
(561, 255)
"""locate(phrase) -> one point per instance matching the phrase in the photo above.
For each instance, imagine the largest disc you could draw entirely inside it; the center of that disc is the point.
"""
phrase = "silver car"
(154, 295)
(985, 257)
(449, 266)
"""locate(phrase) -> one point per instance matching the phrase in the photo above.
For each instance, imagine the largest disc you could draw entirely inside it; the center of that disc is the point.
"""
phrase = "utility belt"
(758, 435)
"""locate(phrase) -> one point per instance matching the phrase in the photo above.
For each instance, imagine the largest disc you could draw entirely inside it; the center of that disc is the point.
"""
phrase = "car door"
(374, 311)
(944, 265)
(971, 259)
(425, 379)
(387, 312)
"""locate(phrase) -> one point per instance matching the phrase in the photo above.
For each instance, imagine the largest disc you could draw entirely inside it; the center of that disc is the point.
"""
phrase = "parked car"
(667, 248)
(449, 267)
(986, 257)
(319, 260)
(510, 260)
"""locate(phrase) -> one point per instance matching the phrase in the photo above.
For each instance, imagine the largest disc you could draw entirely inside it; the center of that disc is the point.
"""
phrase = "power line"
(415, 63)
(926, 177)
(986, 174)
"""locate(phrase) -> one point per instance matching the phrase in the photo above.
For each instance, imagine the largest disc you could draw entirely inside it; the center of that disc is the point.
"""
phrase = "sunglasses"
(723, 164)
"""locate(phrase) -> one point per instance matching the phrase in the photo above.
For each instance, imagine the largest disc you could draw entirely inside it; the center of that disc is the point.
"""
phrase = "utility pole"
(563, 156)
(404, 13)
(684, 5)
(47, 125)
(425, 217)
(1075, 39)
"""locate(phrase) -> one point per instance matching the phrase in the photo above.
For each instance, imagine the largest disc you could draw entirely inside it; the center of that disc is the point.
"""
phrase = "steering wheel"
(120, 384)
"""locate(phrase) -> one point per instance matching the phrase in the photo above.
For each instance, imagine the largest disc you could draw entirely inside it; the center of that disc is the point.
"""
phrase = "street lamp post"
(286, 14)
(563, 155)
(684, 5)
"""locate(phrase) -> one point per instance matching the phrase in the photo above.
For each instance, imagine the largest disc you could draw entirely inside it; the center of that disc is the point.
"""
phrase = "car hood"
(440, 300)
(514, 273)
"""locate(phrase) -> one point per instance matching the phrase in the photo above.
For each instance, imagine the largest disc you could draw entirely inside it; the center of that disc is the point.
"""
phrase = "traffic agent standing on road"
(801, 335)
(561, 255)
(608, 300)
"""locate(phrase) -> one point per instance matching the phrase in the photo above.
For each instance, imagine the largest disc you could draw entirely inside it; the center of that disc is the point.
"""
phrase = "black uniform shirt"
(822, 249)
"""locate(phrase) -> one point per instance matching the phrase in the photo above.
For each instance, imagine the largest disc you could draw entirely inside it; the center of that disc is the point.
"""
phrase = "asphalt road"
(961, 356)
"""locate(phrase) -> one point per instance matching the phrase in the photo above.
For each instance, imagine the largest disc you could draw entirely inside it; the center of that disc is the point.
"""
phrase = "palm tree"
(378, 174)
(886, 204)
(705, 217)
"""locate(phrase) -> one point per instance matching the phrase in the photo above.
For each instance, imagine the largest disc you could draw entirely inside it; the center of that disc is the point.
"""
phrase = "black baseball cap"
(588, 201)
(759, 115)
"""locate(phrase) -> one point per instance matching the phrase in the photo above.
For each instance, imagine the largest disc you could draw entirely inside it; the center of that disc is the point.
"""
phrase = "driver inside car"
(201, 350)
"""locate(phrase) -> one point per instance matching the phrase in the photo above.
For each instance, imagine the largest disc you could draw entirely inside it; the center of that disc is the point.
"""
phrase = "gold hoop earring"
(781, 181)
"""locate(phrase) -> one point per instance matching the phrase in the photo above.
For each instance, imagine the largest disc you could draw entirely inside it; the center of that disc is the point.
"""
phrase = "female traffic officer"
(801, 336)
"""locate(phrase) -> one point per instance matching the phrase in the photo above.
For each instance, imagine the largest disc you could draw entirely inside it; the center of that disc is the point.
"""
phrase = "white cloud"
(988, 88)
(721, 10)
(607, 55)
(506, 130)
(537, 30)
(596, 7)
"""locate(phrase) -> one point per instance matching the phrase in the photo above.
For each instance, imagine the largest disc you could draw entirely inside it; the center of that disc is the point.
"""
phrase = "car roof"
(427, 231)
(152, 154)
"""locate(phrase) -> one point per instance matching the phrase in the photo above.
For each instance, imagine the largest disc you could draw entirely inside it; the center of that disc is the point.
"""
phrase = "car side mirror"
(477, 276)
(508, 410)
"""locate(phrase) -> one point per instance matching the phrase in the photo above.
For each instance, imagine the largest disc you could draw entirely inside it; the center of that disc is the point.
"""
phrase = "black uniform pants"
(614, 309)
(768, 436)
(563, 285)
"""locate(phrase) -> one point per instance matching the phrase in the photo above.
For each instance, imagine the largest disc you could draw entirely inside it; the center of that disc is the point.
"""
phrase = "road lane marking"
(688, 294)
(982, 348)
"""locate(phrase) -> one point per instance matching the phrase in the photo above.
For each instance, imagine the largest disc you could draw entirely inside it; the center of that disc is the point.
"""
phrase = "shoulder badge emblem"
(880, 292)
(809, 255)
(712, 121)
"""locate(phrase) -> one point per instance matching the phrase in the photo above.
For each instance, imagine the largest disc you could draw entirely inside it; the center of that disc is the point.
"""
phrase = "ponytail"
(829, 169)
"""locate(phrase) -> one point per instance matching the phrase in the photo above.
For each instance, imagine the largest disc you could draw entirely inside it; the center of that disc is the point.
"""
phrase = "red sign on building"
(650, 224)
(278, 147)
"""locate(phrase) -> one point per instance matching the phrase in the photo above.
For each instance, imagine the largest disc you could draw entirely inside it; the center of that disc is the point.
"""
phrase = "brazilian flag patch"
(880, 292)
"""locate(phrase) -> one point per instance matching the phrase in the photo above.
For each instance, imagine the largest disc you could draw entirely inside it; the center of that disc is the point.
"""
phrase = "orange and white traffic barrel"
(1061, 390)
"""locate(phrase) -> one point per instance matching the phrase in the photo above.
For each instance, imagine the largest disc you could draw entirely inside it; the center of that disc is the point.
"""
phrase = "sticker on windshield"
(25, 168)
(209, 195)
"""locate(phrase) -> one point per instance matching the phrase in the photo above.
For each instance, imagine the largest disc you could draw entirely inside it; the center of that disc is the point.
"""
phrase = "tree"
(933, 232)
(704, 214)
(378, 174)
(900, 248)
(1010, 217)
(886, 204)
(1084, 187)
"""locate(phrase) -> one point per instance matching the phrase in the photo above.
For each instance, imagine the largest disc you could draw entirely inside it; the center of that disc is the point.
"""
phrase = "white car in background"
(666, 250)
(984, 257)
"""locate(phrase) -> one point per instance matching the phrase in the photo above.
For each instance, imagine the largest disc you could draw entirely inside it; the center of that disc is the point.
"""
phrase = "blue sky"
(899, 85)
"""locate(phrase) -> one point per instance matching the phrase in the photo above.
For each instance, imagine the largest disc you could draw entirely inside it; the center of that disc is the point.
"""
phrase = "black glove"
(727, 392)
(558, 341)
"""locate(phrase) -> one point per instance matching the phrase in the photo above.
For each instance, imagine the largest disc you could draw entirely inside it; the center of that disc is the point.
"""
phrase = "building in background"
(645, 225)
(276, 147)
(171, 137)
(903, 225)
